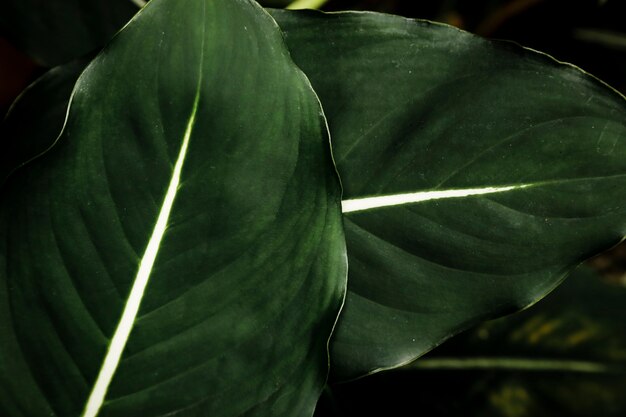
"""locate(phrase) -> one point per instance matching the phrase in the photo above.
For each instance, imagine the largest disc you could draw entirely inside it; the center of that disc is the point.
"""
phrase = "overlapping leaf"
(36, 118)
(193, 181)
(536, 146)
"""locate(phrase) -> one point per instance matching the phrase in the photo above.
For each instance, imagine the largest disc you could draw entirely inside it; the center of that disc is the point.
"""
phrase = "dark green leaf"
(421, 109)
(36, 118)
(194, 160)
(57, 31)
(566, 356)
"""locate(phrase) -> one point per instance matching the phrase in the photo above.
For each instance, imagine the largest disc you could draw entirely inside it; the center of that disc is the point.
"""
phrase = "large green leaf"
(566, 356)
(36, 117)
(179, 251)
(402, 303)
(54, 32)
(500, 169)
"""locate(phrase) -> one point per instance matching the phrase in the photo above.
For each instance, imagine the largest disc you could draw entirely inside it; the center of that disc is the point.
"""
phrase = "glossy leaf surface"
(423, 114)
(566, 356)
(56, 32)
(179, 250)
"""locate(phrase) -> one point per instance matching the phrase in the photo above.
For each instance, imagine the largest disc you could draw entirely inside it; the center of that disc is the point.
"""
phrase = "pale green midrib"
(306, 4)
(131, 309)
(391, 200)
(516, 364)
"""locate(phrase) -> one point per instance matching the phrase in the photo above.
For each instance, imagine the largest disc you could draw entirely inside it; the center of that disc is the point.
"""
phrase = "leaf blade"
(220, 328)
(420, 110)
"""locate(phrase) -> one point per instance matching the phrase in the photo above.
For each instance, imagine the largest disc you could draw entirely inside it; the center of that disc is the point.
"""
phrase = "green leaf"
(499, 169)
(566, 356)
(36, 117)
(56, 32)
(179, 251)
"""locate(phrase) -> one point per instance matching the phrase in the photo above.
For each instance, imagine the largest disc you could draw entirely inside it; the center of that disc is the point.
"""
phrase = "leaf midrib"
(402, 199)
(131, 309)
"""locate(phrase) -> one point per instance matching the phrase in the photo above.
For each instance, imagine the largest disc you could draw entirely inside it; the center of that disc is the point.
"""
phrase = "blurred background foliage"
(566, 356)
